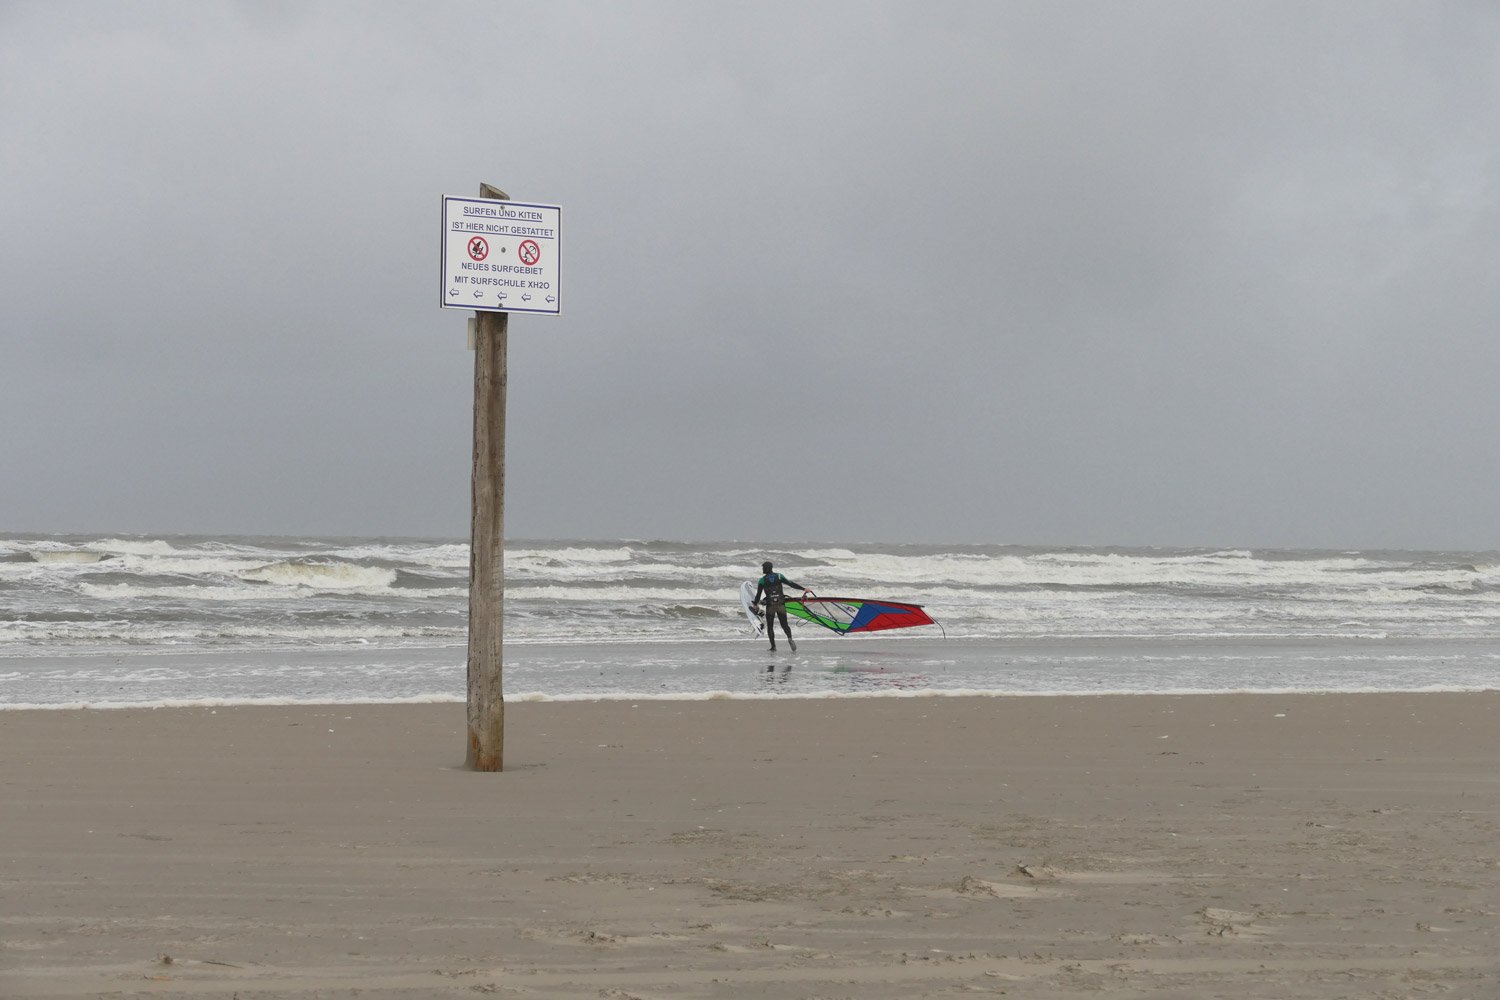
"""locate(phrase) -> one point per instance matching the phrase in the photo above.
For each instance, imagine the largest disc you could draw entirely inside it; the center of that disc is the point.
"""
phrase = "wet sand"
(1291, 846)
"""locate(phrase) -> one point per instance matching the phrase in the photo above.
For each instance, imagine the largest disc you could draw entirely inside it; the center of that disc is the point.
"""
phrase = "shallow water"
(93, 620)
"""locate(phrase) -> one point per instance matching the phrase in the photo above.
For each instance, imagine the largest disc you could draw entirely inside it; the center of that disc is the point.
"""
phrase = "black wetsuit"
(771, 586)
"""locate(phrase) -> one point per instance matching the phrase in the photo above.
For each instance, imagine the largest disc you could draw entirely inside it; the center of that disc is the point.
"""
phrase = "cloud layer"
(1091, 273)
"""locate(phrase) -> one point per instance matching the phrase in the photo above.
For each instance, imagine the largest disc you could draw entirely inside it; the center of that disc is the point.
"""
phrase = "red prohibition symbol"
(478, 248)
(529, 252)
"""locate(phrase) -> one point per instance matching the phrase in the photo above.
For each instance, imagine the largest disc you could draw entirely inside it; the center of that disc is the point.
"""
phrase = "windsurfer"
(773, 585)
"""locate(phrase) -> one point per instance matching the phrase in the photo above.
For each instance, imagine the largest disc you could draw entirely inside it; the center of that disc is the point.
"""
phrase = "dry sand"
(1164, 847)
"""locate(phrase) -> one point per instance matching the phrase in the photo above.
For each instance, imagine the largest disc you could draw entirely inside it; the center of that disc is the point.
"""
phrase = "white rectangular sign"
(500, 256)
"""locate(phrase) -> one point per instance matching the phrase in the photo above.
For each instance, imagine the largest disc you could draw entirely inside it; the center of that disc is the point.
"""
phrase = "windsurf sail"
(856, 614)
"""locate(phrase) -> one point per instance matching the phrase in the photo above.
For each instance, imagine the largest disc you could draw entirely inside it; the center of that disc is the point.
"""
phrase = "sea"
(108, 621)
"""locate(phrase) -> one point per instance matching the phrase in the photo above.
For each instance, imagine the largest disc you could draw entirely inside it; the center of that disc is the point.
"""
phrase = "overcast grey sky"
(1061, 273)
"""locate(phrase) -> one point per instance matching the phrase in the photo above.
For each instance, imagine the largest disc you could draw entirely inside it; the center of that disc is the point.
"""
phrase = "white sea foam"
(322, 575)
(1093, 569)
(658, 620)
(137, 546)
(570, 554)
(66, 556)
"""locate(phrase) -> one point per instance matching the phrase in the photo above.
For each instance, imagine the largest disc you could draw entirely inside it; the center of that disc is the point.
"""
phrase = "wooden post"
(487, 540)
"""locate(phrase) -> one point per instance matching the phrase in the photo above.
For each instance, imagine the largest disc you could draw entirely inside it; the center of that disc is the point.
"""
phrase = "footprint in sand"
(979, 888)
(1223, 922)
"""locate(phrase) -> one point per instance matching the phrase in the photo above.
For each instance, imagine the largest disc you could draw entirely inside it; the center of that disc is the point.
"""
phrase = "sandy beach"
(1141, 846)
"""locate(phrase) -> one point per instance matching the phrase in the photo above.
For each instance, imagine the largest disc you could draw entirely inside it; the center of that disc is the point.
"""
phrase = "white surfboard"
(747, 598)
